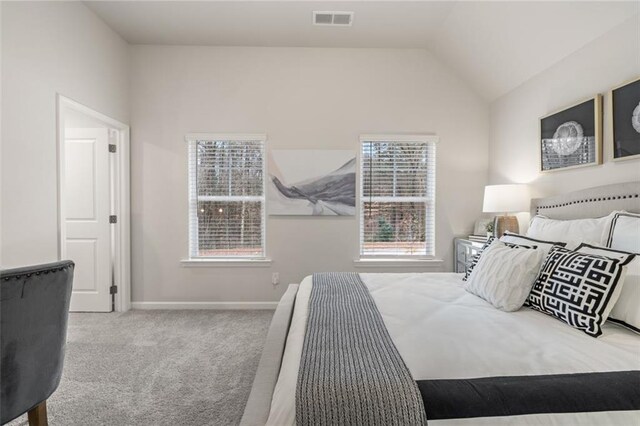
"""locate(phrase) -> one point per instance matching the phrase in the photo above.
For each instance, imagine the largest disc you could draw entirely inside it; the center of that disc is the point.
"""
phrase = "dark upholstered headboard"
(592, 202)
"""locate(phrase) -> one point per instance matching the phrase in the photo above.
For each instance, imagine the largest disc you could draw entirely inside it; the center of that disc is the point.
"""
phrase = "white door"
(87, 236)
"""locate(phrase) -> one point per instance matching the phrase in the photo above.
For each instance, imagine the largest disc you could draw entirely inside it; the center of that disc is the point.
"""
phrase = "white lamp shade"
(506, 198)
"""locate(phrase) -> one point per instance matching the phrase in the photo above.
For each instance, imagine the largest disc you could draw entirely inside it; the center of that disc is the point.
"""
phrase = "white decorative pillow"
(573, 232)
(505, 274)
(626, 310)
(476, 258)
(623, 232)
(578, 288)
(545, 246)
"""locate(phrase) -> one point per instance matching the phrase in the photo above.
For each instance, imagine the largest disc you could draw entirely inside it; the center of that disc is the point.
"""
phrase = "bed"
(472, 363)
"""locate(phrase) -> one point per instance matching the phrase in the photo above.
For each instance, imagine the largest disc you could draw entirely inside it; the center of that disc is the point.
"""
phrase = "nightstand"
(463, 252)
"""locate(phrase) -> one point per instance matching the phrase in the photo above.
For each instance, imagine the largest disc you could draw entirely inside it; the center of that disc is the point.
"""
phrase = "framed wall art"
(483, 226)
(572, 137)
(312, 182)
(624, 110)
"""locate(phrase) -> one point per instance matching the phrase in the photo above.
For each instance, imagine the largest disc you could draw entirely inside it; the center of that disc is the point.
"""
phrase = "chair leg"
(38, 415)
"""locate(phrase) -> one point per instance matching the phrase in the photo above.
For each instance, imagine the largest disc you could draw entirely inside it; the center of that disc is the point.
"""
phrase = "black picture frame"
(572, 137)
(624, 111)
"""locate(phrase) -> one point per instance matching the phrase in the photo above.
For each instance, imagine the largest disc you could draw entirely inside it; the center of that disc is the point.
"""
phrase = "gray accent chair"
(34, 310)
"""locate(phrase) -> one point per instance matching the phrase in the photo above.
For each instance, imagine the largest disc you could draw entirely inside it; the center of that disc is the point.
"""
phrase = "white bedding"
(441, 331)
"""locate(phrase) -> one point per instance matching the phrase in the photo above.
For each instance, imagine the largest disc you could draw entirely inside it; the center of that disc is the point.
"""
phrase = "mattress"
(443, 332)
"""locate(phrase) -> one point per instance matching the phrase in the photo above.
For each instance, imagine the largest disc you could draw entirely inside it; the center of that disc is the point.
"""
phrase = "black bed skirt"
(519, 395)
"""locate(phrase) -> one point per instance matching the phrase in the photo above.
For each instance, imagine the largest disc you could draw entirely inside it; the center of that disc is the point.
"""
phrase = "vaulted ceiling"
(494, 46)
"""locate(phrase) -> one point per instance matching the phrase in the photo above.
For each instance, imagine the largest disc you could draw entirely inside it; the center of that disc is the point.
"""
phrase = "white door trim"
(123, 230)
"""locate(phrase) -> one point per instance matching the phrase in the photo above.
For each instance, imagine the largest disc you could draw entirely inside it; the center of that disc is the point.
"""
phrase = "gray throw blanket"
(350, 371)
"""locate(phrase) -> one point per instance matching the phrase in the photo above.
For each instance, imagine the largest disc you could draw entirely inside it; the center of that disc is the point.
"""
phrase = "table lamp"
(504, 199)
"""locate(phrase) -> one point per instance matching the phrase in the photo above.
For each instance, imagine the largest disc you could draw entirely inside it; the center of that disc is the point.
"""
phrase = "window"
(226, 196)
(397, 201)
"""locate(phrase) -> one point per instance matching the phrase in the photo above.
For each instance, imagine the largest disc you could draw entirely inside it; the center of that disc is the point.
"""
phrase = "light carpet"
(158, 368)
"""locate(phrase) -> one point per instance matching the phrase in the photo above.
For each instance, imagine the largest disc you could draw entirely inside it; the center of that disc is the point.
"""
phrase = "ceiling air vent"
(341, 19)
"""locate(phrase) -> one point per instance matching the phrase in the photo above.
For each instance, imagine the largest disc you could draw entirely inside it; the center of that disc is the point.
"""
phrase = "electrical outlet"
(275, 278)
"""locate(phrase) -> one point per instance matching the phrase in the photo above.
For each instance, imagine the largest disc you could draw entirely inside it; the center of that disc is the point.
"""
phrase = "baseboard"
(203, 305)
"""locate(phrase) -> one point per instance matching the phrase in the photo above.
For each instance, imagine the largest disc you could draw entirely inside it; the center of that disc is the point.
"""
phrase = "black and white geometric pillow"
(577, 288)
(475, 259)
(625, 311)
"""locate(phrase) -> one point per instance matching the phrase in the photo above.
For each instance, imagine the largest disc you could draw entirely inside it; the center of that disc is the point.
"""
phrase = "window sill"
(433, 265)
(225, 263)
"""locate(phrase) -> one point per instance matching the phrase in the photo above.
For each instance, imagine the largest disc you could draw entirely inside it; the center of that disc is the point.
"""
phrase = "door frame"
(122, 268)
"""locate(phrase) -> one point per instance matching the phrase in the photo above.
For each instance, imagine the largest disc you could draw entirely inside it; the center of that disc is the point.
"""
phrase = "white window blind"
(226, 196)
(397, 203)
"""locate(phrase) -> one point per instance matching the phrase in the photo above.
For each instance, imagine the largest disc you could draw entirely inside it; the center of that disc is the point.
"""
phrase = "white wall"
(303, 98)
(514, 145)
(48, 48)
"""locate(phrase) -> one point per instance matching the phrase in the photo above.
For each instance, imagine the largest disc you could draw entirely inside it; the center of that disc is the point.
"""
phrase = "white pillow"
(545, 246)
(623, 232)
(504, 275)
(626, 311)
(573, 232)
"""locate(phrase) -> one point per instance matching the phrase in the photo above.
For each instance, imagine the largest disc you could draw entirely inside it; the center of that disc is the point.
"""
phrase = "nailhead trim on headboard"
(587, 200)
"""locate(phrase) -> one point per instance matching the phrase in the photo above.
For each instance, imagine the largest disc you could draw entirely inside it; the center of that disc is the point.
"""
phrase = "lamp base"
(501, 224)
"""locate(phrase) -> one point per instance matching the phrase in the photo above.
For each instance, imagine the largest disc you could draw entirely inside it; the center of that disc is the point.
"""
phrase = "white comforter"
(441, 331)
